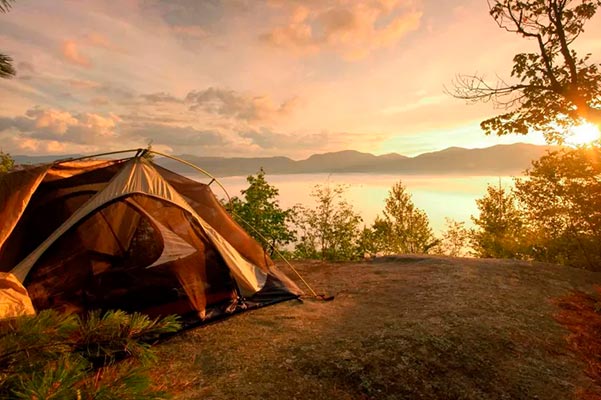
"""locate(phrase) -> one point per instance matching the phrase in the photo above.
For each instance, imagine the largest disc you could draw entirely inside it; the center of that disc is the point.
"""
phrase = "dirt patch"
(416, 328)
(580, 314)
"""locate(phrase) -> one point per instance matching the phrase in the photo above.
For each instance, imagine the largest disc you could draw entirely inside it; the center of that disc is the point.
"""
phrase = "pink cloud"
(98, 40)
(190, 31)
(48, 124)
(353, 29)
(72, 54)
(231, 104)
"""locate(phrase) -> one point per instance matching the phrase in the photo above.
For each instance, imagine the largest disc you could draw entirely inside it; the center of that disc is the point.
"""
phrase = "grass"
(399, 328)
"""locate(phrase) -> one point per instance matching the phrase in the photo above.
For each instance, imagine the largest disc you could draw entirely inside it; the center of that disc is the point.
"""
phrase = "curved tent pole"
(213, 179)
(141, 152)
(313, 293)
(95, 155)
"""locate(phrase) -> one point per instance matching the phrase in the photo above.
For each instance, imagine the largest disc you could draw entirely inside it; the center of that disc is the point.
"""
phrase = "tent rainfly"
(126, 234)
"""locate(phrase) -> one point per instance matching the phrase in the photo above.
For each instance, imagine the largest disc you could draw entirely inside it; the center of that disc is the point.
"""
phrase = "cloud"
(353, 29)
(83, 84)
(25, 67)
(176, 135)
(97, 40)
(190, 31)
(72, 54)
(73, 51)
(160, 97)
(50, 130)
(421, 102)
(188, 12)
(231, 104)
(62, 126)
(99, 101)
(304, 143)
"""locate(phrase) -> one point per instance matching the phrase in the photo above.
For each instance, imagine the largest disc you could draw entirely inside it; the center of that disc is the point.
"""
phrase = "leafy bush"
(6, 162)
(330, 230)
(259, 213)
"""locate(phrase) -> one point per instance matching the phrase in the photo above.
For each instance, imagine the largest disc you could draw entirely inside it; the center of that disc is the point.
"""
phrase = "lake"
(439, 196)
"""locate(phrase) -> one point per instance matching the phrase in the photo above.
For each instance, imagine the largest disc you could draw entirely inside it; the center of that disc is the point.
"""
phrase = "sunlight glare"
(583, 134)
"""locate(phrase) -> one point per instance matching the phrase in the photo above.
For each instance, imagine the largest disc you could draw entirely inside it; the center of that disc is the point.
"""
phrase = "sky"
(248, 78)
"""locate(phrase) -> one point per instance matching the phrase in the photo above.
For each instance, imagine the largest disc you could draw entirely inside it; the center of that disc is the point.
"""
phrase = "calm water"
(438, 196)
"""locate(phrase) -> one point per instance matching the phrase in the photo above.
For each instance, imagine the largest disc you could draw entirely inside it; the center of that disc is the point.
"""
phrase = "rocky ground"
(399, 328)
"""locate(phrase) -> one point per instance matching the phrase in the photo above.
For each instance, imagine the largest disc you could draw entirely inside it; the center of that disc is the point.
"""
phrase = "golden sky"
(250, 77)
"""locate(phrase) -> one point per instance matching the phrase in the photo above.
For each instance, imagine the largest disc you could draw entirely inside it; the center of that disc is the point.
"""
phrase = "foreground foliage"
(57, 356)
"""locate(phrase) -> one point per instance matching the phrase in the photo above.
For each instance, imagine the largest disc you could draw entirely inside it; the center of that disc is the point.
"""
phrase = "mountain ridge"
(504, 159)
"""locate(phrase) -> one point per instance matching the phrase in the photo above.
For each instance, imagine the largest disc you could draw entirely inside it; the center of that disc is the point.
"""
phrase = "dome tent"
(128, 234)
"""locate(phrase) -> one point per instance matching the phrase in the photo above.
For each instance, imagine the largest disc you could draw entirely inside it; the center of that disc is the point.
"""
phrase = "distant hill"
(509, 159)
(501, 159)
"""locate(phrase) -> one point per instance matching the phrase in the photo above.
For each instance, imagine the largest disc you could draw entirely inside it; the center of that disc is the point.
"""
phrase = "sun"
(583, 134)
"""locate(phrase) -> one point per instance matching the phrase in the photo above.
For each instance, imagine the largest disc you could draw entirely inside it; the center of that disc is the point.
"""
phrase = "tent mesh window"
(109, 261)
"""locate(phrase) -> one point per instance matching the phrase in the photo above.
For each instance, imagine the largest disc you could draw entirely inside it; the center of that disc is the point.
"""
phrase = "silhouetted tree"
(553, 88)
(403, 227)
(499, 229)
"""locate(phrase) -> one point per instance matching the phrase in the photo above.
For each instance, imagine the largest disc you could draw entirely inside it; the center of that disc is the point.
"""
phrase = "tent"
(126, 234)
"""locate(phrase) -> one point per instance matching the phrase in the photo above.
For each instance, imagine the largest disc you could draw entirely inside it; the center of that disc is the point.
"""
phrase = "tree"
(6, 68)
(330, 230)
(561, 198)
(499, 232)
(260, 214)
(553, 88)
(403, 228)
(6, 162)
(373, 240)
(455, 239)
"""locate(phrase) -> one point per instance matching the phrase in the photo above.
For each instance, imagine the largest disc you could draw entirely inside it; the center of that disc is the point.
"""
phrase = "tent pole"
(94, 155)
(282, 257)
(229, 199)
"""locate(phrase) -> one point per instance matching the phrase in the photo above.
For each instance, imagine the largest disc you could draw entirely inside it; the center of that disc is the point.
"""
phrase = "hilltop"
(407, 327)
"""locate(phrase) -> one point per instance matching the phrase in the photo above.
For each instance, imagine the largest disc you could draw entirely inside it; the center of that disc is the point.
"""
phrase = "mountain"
(508, 159)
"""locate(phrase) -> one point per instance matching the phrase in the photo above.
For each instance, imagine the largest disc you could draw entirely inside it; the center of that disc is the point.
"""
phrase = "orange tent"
(127, 234)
